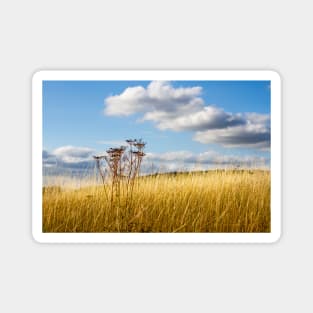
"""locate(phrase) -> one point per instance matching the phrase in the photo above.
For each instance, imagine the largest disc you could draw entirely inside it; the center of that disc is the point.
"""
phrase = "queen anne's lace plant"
(121, 164)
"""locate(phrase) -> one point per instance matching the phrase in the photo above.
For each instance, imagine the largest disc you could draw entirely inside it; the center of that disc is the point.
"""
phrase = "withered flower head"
(140, 144)
(139, 153)
(98, 157)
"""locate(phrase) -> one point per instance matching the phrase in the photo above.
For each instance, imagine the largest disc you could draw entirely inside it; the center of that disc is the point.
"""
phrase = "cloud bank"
(186, 160)
(183, 109)
(68, 157)
(78, 160)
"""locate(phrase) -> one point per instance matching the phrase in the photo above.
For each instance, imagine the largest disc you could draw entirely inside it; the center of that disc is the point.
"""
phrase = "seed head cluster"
(122, 163)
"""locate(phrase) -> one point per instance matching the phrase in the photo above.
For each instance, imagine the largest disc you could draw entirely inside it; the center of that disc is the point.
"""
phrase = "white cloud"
(209, 117)
(158, 96)
(68, 158)
(70, 154)
(255, 133)
(183, 109)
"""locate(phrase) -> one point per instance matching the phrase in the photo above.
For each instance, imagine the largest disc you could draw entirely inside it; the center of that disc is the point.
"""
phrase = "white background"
(155, 35)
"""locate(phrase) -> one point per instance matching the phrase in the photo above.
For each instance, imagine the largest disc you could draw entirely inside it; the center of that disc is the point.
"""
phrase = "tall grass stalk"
(213, 201)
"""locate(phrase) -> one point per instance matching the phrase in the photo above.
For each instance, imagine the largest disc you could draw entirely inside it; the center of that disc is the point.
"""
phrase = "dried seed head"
(139, 153)
(115, 152)
(140, 144)
(98, 157)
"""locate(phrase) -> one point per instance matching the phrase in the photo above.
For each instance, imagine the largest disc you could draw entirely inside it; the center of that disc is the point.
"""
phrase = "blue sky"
(234, 116)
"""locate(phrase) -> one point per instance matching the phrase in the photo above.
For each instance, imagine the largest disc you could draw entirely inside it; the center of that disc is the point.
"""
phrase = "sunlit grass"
(213, 201)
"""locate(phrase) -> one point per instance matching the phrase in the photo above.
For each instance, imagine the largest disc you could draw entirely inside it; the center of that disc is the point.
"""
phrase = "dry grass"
(214, 201)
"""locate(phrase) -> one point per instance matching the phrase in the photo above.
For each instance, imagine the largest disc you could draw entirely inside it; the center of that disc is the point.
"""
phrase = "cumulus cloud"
(183, 109)
(70, 154)
(255, 133)
(158, 96)
(209, 117)
(68, 157)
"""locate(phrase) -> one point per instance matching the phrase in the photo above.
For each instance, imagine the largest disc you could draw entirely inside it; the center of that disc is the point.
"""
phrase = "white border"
(39, 236)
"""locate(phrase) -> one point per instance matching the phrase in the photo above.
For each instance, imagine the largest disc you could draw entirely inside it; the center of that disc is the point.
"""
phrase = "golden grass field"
(212, 201)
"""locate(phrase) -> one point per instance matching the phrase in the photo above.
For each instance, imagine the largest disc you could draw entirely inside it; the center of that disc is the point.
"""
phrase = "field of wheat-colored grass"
(213, 201)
